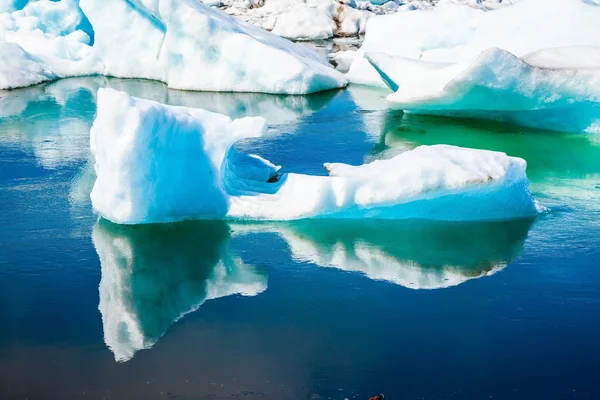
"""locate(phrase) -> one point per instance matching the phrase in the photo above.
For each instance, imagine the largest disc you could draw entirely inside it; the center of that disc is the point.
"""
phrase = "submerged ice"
(158, 163)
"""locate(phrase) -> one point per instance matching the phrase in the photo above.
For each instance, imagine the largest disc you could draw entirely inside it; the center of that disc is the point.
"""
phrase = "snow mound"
(453, 33)
(413, 254)
(181, 42)
(555, 89)
(144, 288)
(157, 163)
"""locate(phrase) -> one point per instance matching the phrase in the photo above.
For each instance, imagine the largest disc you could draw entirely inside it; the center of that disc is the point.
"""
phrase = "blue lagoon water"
(299, 310)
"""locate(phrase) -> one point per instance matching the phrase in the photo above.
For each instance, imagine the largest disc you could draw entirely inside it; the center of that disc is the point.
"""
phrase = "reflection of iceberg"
(274, 108)
(52, 120)
(559, 165)
(414, 254)
(158, 163)
(553, 89)
(153, 275)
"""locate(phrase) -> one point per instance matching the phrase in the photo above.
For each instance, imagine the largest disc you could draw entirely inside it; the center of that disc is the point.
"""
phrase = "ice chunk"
(556, 89)
(157, 163)
(181, 42)
(19, 68)
(176, 39)
(453, 33)
(162, 163)
(303, 20)
(51, 33)
(153, 275)
(305, 23)
(413, 254)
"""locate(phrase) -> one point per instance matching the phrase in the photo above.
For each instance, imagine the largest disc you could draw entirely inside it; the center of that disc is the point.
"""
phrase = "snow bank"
(157, 163)
(413, 254)
(181, 42)
(451, 33)
(144, 288)
(556, 89)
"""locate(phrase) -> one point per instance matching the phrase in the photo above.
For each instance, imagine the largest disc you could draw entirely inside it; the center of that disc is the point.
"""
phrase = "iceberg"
(180, 42)
(153, 275)
(553, 89)
(455, 33)
(158, 163)
(413, 254)
(19, 68)
(304, 20)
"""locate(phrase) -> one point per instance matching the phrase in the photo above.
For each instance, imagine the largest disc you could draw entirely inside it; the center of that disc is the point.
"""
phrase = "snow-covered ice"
(303, 20)
(144, 289)
(181, 42)
(454, 33)
(158, 163)
(555, 89)
(324, 19)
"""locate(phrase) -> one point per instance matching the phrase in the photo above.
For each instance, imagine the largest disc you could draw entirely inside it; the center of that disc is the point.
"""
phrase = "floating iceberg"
(153, 275)
(554, 89)
(413, 254)
(181, 42)
(453, 33)
(158, 163)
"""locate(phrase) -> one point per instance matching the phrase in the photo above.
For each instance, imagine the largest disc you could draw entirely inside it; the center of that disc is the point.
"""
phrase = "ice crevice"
(159, 163)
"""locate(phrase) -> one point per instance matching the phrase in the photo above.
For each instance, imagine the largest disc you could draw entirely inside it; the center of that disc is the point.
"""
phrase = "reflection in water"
(152, 275)
(275, 108)
(558, 165)
(53, 120)
(413, 254)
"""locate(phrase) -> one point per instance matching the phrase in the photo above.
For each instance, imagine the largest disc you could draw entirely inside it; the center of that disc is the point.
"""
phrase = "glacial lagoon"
(295, 310)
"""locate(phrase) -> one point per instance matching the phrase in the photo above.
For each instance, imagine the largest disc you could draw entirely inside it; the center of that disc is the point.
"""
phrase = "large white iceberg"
(453, 33)
(181, 42)
(555, 89)
(158, 163)
(153, 275)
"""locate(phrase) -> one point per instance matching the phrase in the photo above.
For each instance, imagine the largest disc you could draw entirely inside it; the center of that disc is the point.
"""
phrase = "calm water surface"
(303, 310)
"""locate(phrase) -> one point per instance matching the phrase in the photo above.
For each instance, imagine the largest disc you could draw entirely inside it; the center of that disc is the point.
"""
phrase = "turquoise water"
(314, 310)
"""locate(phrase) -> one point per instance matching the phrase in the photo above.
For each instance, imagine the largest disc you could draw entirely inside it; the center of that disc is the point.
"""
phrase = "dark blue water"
(303, 310)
